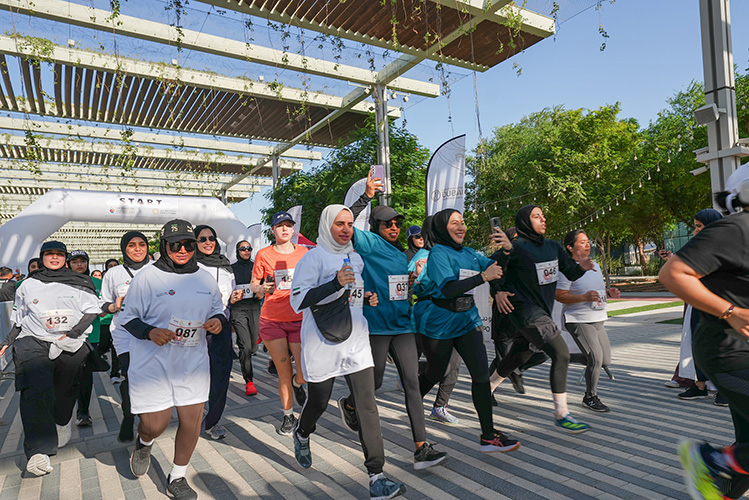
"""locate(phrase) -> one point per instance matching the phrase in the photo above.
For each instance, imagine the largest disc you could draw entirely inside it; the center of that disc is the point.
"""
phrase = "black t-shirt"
(720, 253)
(531, 274)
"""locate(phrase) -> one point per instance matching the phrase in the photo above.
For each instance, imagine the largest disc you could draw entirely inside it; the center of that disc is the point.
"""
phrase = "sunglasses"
(175, 246)
(390, 223)
(245, 249)
(203, 239)
(417, 236)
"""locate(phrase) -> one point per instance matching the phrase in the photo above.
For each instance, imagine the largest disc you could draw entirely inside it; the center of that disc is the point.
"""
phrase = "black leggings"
(447, 384)
(403, 350)
(361, 384)
(556, 348)
(471, 348)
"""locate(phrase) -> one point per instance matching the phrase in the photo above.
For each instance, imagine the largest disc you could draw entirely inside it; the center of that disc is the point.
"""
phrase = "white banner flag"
(354, 192)
(257, 238)
(445, 184)
(296, 214)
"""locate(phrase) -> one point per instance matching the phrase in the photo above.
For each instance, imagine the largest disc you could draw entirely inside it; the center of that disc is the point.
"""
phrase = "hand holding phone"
(496, 224)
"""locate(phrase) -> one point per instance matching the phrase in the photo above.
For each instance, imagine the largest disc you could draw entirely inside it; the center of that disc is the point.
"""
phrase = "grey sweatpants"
(593, 341)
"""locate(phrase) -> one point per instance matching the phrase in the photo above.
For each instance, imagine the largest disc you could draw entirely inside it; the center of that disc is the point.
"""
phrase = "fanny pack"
(334, 318)
(458, 304)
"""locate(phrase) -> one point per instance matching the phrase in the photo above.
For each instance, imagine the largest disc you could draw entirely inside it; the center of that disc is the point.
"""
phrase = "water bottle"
(347, 262)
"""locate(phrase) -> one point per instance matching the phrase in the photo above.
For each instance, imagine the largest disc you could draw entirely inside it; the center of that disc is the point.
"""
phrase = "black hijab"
(439, 232)
(123, 245)
(426, 233)
(178, 230)
(215, 259)
(382, 213)
(64, 275)
(524, 225)
(242, 267)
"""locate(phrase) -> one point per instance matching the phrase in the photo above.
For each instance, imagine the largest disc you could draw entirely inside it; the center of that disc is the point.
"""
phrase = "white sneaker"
(116, 380)
(216, 432)
(64, 432)
(39, 465)
(672, 384)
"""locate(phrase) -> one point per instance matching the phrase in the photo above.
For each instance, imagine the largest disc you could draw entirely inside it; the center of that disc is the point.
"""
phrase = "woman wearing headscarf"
(114, 288)
(329, 289)
(448, 318)
(532, 274)
(34, 265)
(171, 307)
(414, 240)
(211, 260)
(245, 314)
(711, 272)
(390, 330)
(52, 314)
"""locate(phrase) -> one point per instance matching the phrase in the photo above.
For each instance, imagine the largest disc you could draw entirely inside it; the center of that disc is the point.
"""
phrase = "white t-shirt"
(49, 310)
(585, 312)
(116, 283)
(322, 359)
(225, 280)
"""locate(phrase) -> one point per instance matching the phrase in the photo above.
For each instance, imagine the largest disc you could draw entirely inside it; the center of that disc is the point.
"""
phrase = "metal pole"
(383, 139)
(275, 171)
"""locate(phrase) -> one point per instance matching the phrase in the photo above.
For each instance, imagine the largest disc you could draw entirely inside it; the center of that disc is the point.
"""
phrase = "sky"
(653, 52)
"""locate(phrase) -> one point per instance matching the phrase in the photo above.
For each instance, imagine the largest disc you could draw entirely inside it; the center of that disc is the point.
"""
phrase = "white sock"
(560, 405)
(495, 380)
(177, 472)
(288, 412)
(374, 477)
(149, 443)
(294, 383)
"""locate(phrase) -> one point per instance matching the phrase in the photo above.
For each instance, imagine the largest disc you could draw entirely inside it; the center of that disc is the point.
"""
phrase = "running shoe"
(497, 442)
(672, 384)
(383, 488)
(571, 424)
(720, 400)
(39, 465)
(287, 426)
(140, 460)
(348, 415)
(116, 379)
(693, 393)
(126, 430)
(517, 382)
(300, 394)
(426, 457)
(64, 433)
(301, 451)
(272, 368)
(440, 414)
(700, 477)
(593, 403)
(83, 420)
(217, 432)
(180, 490)
(250, 389)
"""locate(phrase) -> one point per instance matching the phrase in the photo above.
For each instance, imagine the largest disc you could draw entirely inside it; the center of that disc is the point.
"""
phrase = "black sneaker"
(140, 460)
(180, 490)
(593, 403)
(720, 400)
(287, 426)
(348, 415)
(83, 420)
(426, 457)
(272, 368)
(693, 393)
(517, 382)
(497, 442)
(300, 394)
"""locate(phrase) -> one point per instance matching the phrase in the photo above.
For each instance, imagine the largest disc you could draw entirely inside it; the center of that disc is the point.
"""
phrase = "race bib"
(122, 289)
(356, 299)
(189, 332)
(467, 273)
(58, 320)
(601, 302)
(284, 277)
(398, 286)
(547, 272)
(246, 290)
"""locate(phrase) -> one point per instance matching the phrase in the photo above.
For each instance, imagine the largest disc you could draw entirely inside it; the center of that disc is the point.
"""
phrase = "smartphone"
(496, 224)
(378, 172)
(270, 279)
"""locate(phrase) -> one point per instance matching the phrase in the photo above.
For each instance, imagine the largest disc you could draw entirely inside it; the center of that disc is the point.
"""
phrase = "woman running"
(532, 273)
(448, 318)
(114, 288)
(220, 352)
(52, 313)
(329, 288)
(245, 314)
(584, 313)
(415, 241)
(280, 325)
(711, 272)
(170, 307)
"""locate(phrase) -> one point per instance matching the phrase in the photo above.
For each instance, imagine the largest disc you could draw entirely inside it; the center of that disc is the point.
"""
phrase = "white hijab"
(737, 182)
(324, 237)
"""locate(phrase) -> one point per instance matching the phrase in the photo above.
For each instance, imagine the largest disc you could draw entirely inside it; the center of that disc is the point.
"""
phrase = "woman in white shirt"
(52, 316)
(584, 314)
(329, 290)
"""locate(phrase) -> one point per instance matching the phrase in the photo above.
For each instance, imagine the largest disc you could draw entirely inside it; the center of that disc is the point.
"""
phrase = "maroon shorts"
(274, 330)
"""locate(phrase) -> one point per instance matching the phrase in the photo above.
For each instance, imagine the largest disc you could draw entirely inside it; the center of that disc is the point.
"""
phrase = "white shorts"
(163, 377)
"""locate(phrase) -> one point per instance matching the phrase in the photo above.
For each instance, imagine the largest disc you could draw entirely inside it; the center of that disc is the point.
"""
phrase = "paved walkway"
(629, 453)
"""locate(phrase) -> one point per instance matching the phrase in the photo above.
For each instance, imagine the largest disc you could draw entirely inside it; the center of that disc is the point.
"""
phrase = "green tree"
(327, 184)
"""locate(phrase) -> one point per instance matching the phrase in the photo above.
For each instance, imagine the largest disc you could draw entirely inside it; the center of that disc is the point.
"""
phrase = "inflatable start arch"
(23, 235)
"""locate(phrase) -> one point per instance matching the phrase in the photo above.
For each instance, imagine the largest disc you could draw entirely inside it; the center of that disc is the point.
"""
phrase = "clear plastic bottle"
(347, 262)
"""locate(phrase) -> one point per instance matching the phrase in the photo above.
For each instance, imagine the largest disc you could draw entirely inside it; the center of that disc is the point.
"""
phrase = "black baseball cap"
(177, 230)
(279, 217)
(53, 245)
(77, 253)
